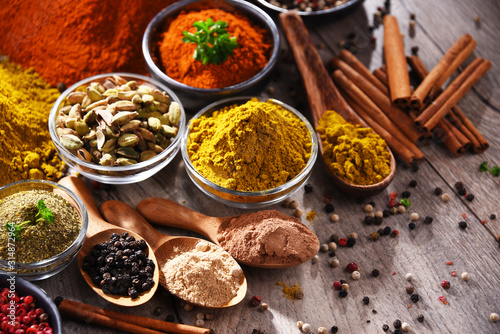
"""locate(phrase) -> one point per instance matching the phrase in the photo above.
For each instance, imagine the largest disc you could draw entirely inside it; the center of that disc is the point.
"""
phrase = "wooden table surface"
(423, 251)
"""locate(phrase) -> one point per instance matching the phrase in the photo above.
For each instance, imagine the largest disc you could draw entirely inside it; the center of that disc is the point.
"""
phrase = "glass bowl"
(51, 266)
(25, 288)
(330, 11)
(253, 85)
(117, 174)
(248, 199)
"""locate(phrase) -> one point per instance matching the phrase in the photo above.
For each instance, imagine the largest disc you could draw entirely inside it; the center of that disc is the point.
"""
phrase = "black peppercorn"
(342, 293)
(366, 300)
(61, 87)
(308, 188)
(414, 298)
(462, 225)
(380, 231)
(413, 183)
(469, 197)
(334, 329)
(438, 191)
(170, 318)
(329, 208)
(459, 185)
(397, 331)
(377, 220)
(387, 230)
(157, 311)
(369, 220)
(372, 203)
(334, 238)
(331, 254)
(385, 327)
(462, 191)
(411, 226)
(428, 220)
(386, 213)
(350, 242)
(493, 216)
(406, 194)
(420, 318)
(397, 323)
(375, 272)
(414, 168)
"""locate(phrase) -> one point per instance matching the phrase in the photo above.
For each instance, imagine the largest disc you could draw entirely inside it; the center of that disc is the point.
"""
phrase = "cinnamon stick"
(446, 66)
(375, 113)
(321, 91)
(381, 75)
(126, 322)
(479, 144)
(354, 62)
(449, 139)
(395, 60)
(404, 123)
(395, 145)
(457, 123)
(452, 94)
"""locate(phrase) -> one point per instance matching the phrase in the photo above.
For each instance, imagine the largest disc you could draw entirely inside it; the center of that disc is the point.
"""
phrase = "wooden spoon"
(323, 95)
(99, 231)
(123, 215)
(165, 212)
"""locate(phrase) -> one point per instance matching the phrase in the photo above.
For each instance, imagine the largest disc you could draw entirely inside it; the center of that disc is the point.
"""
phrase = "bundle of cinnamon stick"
(385, 96)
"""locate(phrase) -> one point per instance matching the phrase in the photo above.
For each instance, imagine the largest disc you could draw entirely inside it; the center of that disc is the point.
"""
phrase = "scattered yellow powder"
(291, 292)
(311, 215)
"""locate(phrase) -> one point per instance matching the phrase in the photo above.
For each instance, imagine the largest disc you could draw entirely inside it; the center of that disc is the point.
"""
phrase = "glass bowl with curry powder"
(43, 228)
(267, 156)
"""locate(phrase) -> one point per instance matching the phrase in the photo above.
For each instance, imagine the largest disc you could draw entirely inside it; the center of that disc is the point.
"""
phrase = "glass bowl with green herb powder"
(43, 227)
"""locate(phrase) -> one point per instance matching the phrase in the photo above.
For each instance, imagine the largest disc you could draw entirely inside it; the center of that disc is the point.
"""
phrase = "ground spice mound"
(245, 61)
(26, 149)
(66, 40)
(206, 275)
(269, 237)
(252, 147)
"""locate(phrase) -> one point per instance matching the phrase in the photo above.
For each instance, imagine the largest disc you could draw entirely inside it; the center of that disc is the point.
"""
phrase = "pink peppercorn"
(351, 267)
(449, 263)
(255, 301)
(342, 241)
(393, 195)
(337, 285)
(464, 215)
(454, 273)
(445, 284)
(483, 221)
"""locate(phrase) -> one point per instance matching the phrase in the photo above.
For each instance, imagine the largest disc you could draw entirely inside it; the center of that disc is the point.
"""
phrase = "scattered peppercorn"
(494, 317)
(334, 329)
(411, 226)
(374, 311)
(394, 233)
(350, 242)
(462, 191)
(469, 197)
(409, 277)
(377, 220)
(323, 248)
(337, 285)
(157, 311)
(329, 208)
(368, 208)
(351, 267)
(413, 183)
(335, 263)
(308, 188)
(449, 263)
(379, 214)
(332, 245)
(428, 220)
(342, 241)
(293, 205)
(493, 216)
(438, 191)
(387, 230)
(414, 50)
(415, 168)
(334, 238)
(255, 301)
(459, 185)
(299, 294)
(445, 284)
(397, 323)
(170, 318)
(401, 209)
(405, 327)
(374, 236)
(366, 300)
(331, 253)
(386, 213)
(462, 225)
(375, 272)
(445, 197)
(356, 275)
(353, 235)
(385, 327)
(465, 276)
(264, 307)
(335, 218)
(398, 331)
(369, 220)
(406, 194)
(298, 213)
(414, 298)
(410, 290)
(61, 87)
(380, 231)
(420, 318)
(342, 293)
(315, 259)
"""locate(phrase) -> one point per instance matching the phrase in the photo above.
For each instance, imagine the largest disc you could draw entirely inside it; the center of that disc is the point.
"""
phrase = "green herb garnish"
(495, 171)
(44, 212)
(405, 202)
(484, 167)
(214, 43)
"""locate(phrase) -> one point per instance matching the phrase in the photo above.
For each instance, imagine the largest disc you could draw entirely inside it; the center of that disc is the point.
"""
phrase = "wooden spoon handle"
(162, 211)
(96, 223)
(123, 215)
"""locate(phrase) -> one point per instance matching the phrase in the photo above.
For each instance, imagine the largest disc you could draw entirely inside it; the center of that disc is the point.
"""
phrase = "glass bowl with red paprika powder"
(214, 72)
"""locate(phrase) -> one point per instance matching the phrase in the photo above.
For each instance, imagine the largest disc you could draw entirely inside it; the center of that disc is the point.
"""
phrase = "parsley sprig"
(44, 213)
(214, 42)
(495, 170)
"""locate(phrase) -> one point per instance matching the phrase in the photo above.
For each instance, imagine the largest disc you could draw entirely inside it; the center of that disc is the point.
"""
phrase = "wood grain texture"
(423, 251)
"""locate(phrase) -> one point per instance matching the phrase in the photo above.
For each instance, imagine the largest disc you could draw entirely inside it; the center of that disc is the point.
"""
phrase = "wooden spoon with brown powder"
(265, 239)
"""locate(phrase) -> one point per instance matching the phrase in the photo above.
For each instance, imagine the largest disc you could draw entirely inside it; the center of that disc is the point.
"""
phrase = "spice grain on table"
(422, 227)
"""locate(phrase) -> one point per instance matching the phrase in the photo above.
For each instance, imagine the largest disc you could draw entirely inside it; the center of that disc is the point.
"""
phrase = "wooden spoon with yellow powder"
(266, 239)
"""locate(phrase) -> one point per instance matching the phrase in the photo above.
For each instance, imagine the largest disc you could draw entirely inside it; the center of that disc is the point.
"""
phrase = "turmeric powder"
(26, 150)
(291, 292)
(356, 154)
(251, 147)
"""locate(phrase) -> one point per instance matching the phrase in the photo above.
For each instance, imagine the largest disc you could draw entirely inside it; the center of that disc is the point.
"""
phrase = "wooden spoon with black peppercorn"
(99, 231)
(165, 247)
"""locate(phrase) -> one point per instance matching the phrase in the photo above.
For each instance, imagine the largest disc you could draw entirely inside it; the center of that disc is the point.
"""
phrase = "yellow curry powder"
(356, 154)
(291, 292)
(26, 150)
(251, 147)
(311, 215)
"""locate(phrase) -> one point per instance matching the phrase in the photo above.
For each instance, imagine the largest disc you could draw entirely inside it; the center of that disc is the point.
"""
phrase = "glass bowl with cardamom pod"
(44, 227)
(249, 152)
(117, 128)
